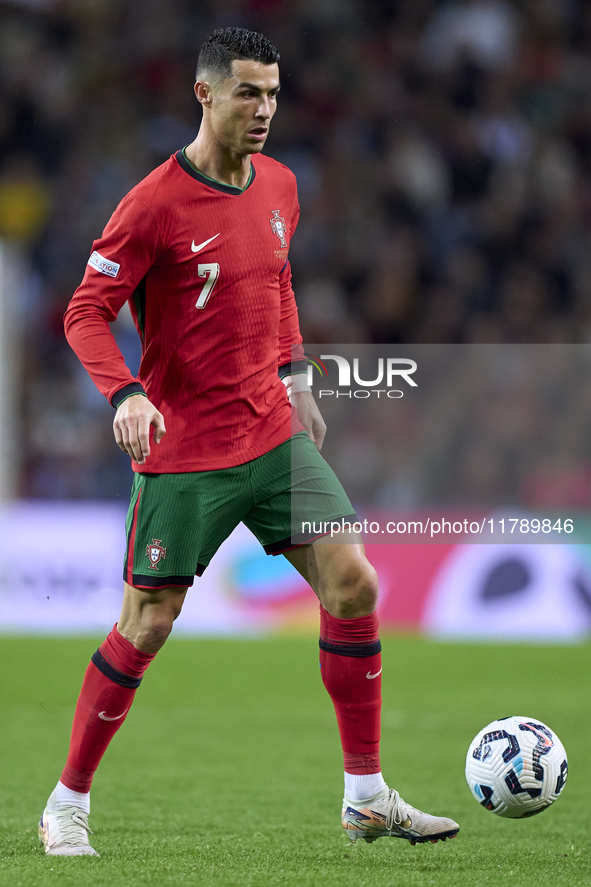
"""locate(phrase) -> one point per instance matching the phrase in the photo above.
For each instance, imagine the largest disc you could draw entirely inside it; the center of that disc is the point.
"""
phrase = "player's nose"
(264, 110)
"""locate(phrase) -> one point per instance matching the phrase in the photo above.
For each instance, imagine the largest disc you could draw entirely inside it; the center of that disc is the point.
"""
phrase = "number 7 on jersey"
(211, 271)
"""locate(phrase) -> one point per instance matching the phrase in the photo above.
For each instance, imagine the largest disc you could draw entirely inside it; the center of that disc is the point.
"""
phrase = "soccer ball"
(516, 767)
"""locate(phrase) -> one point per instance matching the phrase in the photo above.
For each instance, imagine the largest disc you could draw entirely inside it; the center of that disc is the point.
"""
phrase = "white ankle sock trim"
(62, 796)
(360, 788)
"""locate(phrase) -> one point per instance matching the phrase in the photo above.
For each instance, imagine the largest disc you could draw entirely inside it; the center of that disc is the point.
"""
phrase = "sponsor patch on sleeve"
(103, 265)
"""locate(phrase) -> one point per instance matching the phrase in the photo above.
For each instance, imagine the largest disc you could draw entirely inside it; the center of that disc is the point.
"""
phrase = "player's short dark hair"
(226, 45)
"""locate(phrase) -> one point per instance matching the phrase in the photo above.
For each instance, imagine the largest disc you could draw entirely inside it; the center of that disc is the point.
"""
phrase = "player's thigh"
(298, 496)
(176, 523)
(340, 574)
(318, 560)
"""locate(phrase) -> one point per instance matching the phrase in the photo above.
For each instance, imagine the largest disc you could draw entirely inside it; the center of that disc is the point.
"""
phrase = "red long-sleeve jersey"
(205, 271)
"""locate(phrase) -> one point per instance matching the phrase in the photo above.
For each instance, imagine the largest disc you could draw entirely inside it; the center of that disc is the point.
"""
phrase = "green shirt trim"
(221, 186)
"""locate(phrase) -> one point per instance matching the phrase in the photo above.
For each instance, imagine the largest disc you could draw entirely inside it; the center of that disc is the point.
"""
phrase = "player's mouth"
(259, 133)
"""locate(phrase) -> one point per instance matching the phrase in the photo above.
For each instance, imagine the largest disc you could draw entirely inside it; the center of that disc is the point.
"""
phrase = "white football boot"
(387, 815)
(65, 832)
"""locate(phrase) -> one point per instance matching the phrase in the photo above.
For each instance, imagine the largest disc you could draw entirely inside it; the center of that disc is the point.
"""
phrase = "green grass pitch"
(228, 769)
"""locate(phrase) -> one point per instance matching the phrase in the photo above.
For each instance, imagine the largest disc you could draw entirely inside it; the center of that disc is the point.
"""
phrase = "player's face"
(243, 105)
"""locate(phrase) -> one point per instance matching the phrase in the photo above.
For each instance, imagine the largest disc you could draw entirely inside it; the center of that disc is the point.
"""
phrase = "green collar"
(190, 168)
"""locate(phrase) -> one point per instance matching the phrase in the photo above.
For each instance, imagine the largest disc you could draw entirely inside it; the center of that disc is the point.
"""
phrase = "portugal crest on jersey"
(278, 226)
(155, 552)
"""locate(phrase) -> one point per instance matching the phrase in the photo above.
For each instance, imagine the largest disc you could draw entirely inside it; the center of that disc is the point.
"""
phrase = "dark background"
(442, 152)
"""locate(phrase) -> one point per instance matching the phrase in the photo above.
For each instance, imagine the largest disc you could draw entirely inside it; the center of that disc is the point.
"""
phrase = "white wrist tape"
(296, 384)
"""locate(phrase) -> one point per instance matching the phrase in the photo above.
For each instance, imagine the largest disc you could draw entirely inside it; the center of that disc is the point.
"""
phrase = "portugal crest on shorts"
(278, 226)
(155, 552)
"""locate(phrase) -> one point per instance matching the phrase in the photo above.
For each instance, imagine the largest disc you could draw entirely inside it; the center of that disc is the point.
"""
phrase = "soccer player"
(199, 251)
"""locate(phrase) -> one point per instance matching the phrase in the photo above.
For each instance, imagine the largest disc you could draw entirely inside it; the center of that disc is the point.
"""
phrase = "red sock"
(112, 677)
(351, 666)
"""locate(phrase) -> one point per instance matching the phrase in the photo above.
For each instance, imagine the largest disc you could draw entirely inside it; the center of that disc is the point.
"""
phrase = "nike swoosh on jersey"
(371, 676)
(197, 249)
(103, 716)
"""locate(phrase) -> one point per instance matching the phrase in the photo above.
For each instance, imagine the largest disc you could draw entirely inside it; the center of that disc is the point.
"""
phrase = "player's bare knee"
(147, 617)
(368, 588)
(149, 628)
(152, 635)
(353, 591)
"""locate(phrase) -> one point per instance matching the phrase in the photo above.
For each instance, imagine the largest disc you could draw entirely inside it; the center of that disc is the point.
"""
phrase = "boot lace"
(396, 813)
(71, 821)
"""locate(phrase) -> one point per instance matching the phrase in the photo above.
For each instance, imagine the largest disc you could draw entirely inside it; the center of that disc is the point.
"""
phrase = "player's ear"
(203, 93)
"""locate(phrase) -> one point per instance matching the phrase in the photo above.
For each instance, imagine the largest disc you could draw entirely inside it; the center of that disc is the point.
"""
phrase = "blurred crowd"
(443, 156)
(487, 426)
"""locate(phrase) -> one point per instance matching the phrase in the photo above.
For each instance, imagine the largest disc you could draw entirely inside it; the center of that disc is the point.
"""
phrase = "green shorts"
(177, 522)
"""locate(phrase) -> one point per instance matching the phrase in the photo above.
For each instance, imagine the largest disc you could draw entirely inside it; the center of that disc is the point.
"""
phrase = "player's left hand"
(309, 416)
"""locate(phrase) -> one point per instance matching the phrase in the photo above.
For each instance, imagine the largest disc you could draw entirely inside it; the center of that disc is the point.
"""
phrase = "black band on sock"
(358, 651)
(116, 676)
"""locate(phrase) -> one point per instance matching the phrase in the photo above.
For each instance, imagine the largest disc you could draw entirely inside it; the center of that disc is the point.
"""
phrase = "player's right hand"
(131, 426)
